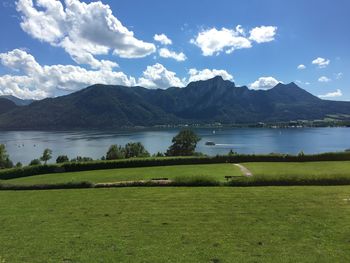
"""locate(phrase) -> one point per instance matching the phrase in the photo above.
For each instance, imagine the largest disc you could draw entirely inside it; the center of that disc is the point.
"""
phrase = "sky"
(51, 48)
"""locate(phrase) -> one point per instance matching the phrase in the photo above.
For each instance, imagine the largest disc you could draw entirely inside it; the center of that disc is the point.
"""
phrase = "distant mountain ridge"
(214, 100)
(17, 101)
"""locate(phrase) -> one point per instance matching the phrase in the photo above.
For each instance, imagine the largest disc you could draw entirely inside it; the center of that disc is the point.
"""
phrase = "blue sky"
(50, 47)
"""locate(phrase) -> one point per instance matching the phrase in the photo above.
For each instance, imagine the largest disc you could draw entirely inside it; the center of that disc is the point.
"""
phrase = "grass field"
(176, 224)
(214, 171)
(334, 168)
(308, 173)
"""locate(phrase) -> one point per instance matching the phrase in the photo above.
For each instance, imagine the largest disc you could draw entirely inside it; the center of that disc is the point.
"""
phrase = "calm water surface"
(24, 146)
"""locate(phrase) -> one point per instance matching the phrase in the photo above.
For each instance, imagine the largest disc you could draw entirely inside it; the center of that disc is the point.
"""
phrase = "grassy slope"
(300, 169)
(270, 172)
(335, 172)
(215, 171)
(263, 224)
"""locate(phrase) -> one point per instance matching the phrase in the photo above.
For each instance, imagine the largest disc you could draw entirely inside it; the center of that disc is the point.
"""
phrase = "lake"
(23, 146)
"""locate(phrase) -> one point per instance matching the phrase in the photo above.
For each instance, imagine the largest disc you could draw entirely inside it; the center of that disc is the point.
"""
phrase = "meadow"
(176, 224)
(264, 173)
(181, 224)
(211, 171)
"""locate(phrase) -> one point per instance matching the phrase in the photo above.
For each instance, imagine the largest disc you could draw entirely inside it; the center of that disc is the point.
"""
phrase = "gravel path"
(244, 170)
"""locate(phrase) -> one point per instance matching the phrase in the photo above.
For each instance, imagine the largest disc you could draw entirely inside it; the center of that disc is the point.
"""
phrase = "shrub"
(70, 185)
(194, 181)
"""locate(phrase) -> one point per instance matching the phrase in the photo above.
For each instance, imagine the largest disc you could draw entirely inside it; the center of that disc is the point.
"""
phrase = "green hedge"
(164, 161)
(71, 185)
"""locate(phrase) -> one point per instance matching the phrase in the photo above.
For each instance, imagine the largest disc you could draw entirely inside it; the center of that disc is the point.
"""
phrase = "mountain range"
(200, 102)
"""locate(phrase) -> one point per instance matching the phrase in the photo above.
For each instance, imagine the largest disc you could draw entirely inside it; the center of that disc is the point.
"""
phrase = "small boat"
(210, 143)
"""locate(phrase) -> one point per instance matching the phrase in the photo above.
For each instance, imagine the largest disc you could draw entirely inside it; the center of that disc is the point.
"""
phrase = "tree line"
(183, 144)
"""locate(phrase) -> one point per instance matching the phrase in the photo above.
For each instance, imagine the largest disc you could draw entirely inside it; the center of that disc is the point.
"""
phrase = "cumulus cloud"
(157, 76)
(36, 81)
(196, 75)
(264, 83)
(321, 62)
(337, 93)
(324, 79)
(82, 29)
(163, 39)
(301, 66)
(166, 53)
(263, 34)
(213, 41)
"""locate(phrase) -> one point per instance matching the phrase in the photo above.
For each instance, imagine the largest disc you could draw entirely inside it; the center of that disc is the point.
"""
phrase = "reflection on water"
(24, 146)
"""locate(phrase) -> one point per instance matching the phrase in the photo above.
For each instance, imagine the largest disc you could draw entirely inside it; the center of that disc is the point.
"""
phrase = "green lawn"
(176, 224)
(309, 173)
(335, 168)
(338, 171)
(215, 171)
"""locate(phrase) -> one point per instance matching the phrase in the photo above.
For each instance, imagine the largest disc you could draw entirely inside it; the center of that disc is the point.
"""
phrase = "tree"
(115, 152)
(34, 162)
(81, 159)
(19, 165)
(135, 149)
(62, 159)
(5, 161)
(47, 155)
(184, 144)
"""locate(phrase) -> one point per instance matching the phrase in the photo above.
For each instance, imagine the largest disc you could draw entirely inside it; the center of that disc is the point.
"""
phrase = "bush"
(71, 185)
(194, 181)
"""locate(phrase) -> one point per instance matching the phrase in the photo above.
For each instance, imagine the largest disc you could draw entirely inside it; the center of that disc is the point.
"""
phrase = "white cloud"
(82, 29)
(196, 75)
(321, 62)
(301, 66)
(166, 53)
(324, 79)
(337, 93)
(263, 34)
(213, 41)
(157, 76)
(264, 83)
(37, 81)
(163, 39)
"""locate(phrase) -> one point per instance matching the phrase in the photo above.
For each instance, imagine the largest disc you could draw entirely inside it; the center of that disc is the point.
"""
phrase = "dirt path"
(244, 170)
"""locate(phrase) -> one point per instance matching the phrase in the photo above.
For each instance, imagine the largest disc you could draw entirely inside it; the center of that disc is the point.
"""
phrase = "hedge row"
(75, 185)
(163, 161)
